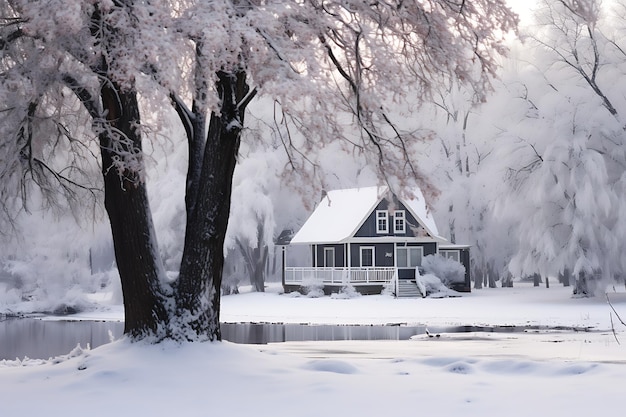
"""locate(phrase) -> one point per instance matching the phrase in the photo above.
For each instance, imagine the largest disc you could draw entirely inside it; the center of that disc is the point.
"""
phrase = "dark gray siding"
(380, 252)
(429, 248)
(465, 260)
(339, 255)
(368, 228)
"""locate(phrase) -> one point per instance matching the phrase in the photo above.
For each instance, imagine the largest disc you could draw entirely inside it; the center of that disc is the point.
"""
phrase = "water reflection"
(41, 339)
(259, 333)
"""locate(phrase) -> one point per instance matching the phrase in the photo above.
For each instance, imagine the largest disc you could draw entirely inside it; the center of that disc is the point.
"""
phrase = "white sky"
(522, 7)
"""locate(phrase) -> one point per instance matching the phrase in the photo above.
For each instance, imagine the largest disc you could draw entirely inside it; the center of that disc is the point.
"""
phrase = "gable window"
(329, 257)
(382, 221)
(367, 256)
(399, 222)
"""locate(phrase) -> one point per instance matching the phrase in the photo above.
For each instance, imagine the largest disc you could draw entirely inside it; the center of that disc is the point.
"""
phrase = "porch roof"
(341, 212)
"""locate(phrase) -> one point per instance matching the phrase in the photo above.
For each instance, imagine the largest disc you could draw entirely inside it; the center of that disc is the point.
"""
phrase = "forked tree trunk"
(126, 203)
(256, 258)
(584, 285)
(199, 281)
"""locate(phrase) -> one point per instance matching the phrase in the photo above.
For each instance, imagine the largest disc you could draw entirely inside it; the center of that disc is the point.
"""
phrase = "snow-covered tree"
(252, 226)
(325, 65)
(567, 181)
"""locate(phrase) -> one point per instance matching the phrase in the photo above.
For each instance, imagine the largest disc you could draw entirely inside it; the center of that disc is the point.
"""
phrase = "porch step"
(408, 289)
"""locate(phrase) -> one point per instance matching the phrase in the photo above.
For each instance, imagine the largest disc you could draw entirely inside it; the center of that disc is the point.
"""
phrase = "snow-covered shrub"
(348, 291)
(447, 270)
(433, 287)
(313, 288)
(293, 294)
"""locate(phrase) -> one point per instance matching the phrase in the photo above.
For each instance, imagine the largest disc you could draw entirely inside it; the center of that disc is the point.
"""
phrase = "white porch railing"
(339, 276)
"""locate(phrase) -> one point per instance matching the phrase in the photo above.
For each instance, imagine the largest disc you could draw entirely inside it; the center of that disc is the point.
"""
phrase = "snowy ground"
(561, 373)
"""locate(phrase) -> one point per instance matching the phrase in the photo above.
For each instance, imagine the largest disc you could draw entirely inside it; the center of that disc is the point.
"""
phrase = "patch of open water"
(41, 339)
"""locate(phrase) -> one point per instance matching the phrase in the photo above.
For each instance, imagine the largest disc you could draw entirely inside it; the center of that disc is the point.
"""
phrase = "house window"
(382, 221)
(367, 256)
(399, 223)
(329, 257)
(409, 256)
(450, 254)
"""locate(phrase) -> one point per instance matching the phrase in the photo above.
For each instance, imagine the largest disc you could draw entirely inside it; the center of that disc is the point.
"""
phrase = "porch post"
(349, 262)
(284, 253)
(395, 266)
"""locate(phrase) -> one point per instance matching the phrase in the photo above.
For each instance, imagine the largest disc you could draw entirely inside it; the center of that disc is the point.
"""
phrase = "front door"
(408, 258)
(329, 257)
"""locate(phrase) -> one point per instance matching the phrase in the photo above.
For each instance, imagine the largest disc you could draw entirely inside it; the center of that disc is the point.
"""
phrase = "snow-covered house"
(370, 239)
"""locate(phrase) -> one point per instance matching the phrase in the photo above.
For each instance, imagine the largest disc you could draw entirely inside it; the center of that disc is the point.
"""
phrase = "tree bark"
(584, 285)
(256, 258)
(478, 278)
(564, 277)
(536, 280)
(492, 276)
(126, 203)
(199, 281)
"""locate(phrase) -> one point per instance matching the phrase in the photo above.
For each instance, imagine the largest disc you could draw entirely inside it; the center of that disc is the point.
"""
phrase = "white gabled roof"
(341, 212)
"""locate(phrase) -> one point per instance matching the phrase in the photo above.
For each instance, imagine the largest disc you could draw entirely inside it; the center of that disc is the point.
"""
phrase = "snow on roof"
(417, 205)
(341, 212)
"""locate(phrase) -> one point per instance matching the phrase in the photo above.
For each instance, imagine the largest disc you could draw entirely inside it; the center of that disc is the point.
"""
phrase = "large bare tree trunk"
(126, 202)
(199, 281)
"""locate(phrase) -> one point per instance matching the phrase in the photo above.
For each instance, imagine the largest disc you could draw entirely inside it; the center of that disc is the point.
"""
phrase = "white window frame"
(419, 249)
(382, 216)
(399, 219)
(453, 254)
(329, 253)
(373, 249)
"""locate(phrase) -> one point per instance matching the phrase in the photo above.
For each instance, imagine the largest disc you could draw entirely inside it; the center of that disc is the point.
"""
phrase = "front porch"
(366, 280)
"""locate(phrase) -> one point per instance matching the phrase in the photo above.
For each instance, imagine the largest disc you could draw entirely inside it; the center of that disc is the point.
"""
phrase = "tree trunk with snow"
(584, 286)
(118, 122)
(564, 277)
(478, 278)
(199, 281)
(493, 276)
(256, 258)
(536, 280)
(507, 280)
(126, 203)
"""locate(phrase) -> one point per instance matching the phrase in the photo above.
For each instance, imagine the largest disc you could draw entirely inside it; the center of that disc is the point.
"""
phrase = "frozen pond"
(41, 339)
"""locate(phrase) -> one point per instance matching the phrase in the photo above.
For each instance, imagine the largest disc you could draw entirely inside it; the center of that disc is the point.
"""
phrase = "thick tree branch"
(86, 98)
(185, 115)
